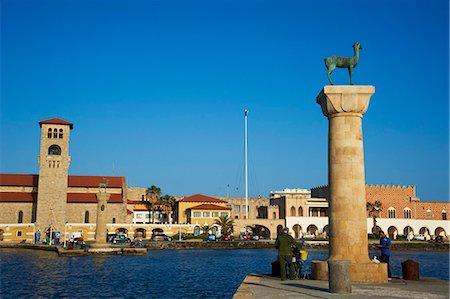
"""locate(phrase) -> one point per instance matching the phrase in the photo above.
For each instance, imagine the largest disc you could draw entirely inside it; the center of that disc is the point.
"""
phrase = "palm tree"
(374, 210)
(153, 194)
(169, 204)
(226, 223)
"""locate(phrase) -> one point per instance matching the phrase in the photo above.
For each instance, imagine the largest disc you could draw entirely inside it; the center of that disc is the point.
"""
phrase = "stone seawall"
(210, 245)
(396, 245)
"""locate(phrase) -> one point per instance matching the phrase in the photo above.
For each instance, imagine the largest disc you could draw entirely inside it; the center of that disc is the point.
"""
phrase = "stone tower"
(54, 161)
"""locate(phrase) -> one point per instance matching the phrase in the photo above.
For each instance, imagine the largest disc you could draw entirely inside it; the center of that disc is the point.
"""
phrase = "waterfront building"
(402, 213)
(201, 210)
(58, 205)
(263, 218)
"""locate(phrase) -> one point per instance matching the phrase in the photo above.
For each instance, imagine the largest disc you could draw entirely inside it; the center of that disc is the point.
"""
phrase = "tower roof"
(56, 121)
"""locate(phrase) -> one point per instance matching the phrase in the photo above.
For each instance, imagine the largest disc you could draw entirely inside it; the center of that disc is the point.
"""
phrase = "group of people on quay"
(287, 248)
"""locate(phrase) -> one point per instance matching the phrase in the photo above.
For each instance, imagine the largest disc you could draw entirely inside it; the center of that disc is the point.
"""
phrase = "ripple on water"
(160, 274)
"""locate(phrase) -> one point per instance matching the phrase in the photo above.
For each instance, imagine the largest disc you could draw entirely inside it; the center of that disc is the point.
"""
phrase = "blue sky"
(158, 88)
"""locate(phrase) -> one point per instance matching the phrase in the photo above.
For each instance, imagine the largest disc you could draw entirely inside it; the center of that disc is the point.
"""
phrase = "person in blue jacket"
(385, 247)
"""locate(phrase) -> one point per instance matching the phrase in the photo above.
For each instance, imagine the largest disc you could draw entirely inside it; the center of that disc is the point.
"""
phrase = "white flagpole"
(246, 166)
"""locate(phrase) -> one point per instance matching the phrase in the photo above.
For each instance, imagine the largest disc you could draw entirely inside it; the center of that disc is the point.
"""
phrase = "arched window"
(55, 133)
(444, 215)
(391, 212)
(49, 134)
(407, 213)
(61, 134)
(274, 215)
(54, 150)
(20, 217)
(300, 211)
(86, 217)
(293, 211)
(429, 214)
(114, 220)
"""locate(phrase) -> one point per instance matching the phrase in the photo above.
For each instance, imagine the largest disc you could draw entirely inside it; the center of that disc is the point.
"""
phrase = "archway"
(262, 231)
(439, 232)
(196, 230)
(326, 230)
(376, 230)
(312, 229)
(140, 233)
(297, 230)
(392, 232)
(424, 230)
(279, 229)
(121, 230)
(157, 231)
(214, 229)
(407, 230)
(300, 211)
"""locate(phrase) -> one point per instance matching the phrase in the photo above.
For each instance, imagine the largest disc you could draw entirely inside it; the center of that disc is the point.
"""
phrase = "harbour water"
(198, 273)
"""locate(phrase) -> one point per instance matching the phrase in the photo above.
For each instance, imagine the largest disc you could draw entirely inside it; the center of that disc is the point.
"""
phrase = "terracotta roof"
(209, 207)
(93, 181)
(91, 198)
(201, 198)
(28, 180)
(56, 121)
(18, 196)
(131, 202)
(31, 180)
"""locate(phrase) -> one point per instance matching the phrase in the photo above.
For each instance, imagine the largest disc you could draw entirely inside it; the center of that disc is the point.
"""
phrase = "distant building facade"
(402, 212)
(54, 203)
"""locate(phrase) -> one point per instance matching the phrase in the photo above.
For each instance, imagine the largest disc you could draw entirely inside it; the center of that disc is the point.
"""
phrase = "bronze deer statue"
(332, 62)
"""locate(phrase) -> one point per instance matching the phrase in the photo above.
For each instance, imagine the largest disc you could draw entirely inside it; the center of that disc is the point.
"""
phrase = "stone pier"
(344, 106)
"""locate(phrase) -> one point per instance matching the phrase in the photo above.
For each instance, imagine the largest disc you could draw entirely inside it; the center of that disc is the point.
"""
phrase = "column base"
(363, 272)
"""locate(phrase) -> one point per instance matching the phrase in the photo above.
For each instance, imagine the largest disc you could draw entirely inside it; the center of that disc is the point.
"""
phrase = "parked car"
(79, 242)
(119, 239)
(420, 237)
(161, 237)
(227, 237)
(211, 237)
(249, 237)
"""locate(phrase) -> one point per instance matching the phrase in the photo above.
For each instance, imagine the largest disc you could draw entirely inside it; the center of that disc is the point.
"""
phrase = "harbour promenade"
(268, 287)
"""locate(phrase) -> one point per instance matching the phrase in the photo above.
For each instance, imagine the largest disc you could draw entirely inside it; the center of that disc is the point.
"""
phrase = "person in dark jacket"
(284, 244)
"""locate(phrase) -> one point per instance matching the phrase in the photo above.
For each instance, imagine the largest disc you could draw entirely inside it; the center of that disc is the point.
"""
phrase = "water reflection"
(160, 274)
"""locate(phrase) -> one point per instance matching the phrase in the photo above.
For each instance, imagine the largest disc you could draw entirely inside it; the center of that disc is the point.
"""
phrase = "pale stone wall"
(115, 210)
(136, 193)
(24, 189)
(253, 204)
(10, 212)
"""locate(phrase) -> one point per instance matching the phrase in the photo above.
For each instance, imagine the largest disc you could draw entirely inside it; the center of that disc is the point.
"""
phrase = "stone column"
(100, 229)
(344, 106)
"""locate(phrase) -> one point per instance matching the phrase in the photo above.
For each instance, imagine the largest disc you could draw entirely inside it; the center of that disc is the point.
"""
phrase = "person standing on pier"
(284, 244)
(385, 247)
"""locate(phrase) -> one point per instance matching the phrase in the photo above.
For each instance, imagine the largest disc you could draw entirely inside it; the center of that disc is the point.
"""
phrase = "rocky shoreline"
(396, 245)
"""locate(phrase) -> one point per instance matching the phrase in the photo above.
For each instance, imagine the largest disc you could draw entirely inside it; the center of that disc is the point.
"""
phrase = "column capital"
(339, 100)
